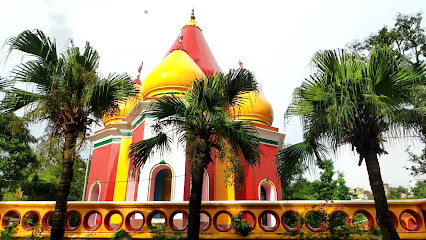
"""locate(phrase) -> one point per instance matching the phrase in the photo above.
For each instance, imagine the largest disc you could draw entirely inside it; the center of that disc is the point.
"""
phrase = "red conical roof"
(195, 45)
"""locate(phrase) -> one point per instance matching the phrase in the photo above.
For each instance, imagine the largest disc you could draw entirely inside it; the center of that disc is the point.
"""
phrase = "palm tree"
(65, 89)
(201, 119)
(349, 100)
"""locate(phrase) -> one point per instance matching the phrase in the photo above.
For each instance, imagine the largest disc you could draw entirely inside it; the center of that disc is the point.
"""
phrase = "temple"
(117, 199)
(165, 177)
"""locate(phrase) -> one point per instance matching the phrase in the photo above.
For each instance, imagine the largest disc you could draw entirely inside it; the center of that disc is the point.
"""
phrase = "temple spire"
(192, 21)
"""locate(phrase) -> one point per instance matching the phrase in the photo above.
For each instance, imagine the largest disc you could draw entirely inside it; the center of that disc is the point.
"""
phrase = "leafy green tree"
(399, 192)
(326, 188)
(300, 189)
(407, 37)
(202, 121)
(44, 182)
(351, 100)
(17, 159)
(419, 191)
(65, 89)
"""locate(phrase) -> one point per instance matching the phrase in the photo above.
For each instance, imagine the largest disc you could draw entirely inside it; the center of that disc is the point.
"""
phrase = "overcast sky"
(274, 39)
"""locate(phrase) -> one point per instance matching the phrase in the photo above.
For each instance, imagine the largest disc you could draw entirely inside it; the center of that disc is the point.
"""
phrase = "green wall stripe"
(262, 140)
(126, 134)
(112, 140)
(254, 120)
(141, 120)
(161, 94)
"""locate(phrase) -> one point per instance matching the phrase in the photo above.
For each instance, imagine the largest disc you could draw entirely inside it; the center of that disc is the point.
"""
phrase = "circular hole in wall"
(222, 221)
(205, 221)
(394, 219)
(47, 220)
(338, 219)
(73, 220)
(92, 220)
(268, 221)
(12, 217)
(410, 220)
(134, 221)
(315, 220)
(113, 220)
(363, 219)
(291, 220)
(157, 218)
(178, 220)
(30, 220)
(250, 218)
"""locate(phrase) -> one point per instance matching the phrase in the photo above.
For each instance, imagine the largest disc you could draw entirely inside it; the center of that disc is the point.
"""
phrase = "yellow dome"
(124, 108)
(255, 108)
(173, 75)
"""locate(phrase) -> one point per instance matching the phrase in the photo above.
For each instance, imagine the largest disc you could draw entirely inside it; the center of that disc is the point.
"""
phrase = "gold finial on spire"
(192, 21)
(192, 14)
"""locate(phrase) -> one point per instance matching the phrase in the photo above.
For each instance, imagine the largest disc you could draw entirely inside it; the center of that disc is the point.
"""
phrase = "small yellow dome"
(124, 108)
(173, 75)
(255, 108)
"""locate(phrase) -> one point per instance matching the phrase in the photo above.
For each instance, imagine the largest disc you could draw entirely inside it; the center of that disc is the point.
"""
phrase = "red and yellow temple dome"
(255, 108)
(173, 75)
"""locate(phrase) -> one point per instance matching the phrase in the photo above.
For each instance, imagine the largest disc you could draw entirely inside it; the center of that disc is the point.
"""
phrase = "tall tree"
(351, 100)
(407, 37)
(17, 159)
(202, 121)
(65, 89)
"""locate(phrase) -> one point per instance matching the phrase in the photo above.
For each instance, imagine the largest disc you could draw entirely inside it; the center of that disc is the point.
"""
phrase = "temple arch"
(267, 191)
(205, 194)
(95, 191)
(161, 183)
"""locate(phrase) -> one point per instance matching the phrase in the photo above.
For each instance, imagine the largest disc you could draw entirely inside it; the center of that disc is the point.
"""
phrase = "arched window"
(161, 183)
(94, 194)
(267, 191)
(205, 195)
(95, 191)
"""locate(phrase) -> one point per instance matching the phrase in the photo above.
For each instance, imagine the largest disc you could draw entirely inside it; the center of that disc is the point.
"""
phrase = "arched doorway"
(161, 183)
(267, 192)
(95, 191)
(94, 194)
(205, 194)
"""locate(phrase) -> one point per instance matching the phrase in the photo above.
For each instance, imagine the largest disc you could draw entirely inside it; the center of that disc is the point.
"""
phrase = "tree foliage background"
(328, 187)
(30, 168)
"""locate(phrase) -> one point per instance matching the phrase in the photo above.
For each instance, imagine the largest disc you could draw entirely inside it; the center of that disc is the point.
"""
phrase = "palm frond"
(16, 99)
(238, 81)
(35, 43)
(106, 93)
(142, 150)
(35, 73)
(242, 136)
(167, 106)
(306, 154)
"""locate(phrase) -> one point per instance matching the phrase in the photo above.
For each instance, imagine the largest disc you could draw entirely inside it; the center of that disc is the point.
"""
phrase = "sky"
(274, 39)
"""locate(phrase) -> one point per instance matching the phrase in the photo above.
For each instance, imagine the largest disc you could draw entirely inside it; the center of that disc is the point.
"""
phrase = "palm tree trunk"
(195, 205)
(58, 228)
(380, 201)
